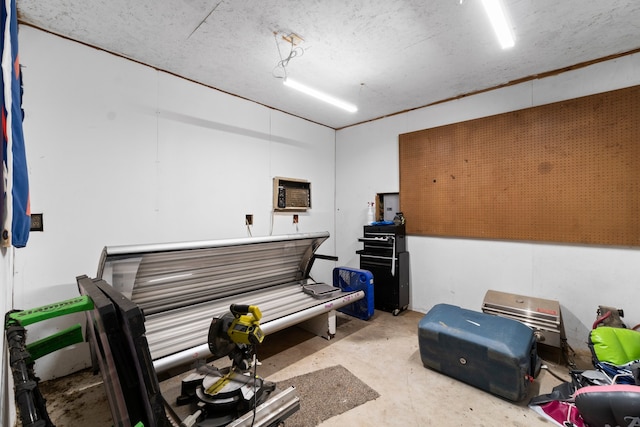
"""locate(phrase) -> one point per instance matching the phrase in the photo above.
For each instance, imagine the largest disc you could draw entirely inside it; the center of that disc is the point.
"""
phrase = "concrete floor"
(382, 352)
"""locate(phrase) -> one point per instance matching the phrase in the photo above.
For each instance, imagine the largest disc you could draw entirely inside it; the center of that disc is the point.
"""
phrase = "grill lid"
(542, 315)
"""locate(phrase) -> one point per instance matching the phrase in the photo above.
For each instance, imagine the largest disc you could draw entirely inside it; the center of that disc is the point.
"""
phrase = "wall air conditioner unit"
(291, 194)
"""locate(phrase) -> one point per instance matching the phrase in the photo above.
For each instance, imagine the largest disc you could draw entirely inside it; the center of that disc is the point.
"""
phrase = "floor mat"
(325, 394)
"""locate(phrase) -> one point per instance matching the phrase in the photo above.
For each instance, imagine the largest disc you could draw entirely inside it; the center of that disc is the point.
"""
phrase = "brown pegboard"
(563, 172)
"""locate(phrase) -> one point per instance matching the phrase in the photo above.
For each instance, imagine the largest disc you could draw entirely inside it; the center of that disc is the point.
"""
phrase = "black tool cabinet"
(384, 254)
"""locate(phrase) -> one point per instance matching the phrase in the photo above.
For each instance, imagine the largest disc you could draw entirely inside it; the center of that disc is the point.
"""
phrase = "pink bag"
(563, 414)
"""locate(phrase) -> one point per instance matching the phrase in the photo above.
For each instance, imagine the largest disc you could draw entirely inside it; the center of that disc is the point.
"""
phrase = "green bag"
(617, 346)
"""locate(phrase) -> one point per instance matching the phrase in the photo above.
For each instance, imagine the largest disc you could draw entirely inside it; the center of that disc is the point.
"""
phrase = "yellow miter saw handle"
(245, 328)
(239, 309)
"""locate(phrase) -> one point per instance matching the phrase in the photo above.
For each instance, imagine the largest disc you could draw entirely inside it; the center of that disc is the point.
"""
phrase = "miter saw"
(234, 396)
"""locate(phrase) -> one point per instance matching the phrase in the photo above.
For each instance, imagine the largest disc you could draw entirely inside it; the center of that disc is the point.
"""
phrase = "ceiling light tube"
(498, 19)
(320, 95)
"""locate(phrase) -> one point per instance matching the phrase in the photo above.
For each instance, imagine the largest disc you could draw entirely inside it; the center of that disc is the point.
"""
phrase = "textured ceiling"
(384, 56)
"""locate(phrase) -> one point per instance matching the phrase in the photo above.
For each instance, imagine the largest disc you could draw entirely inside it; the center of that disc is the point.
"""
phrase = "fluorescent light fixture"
(498, 19)
(320, 95)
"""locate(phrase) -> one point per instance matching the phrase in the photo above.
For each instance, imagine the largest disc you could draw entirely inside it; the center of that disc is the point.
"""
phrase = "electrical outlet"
(295, 218)
(248, 219)
(36, 222)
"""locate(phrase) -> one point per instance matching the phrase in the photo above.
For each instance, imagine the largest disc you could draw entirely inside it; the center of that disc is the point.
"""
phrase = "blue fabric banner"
(16, 218)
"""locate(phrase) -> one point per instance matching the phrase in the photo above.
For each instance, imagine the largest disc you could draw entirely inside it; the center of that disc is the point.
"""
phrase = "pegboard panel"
(563, 172)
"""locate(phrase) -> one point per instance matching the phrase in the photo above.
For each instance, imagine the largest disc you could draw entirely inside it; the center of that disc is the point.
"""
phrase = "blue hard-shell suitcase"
(354, 279)
(493, 353)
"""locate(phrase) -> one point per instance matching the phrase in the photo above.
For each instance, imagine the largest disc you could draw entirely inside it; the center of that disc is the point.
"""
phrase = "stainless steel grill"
(542, 315)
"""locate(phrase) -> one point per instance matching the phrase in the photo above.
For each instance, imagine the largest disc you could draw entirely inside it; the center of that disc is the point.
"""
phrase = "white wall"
(7, 411)
(460, 271)
(119, 153)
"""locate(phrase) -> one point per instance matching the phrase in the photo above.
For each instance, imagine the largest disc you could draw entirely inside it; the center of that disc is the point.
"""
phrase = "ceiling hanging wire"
(280, 70)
